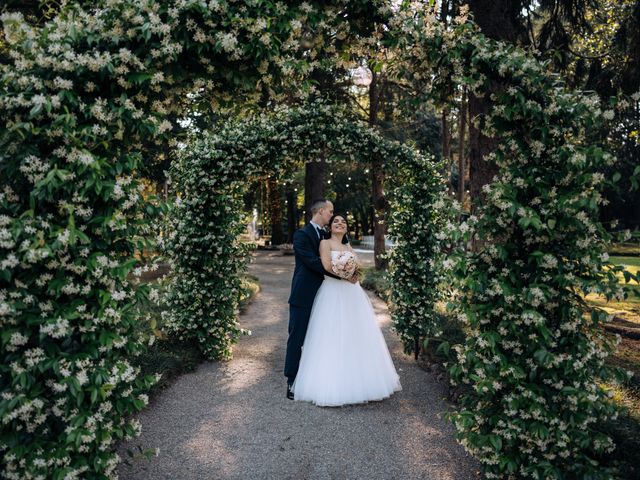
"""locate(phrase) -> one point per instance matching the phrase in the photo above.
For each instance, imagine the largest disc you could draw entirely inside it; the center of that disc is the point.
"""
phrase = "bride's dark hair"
(345, 239)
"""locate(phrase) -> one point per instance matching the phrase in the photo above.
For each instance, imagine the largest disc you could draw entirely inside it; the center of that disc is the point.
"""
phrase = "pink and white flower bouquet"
(345, 266)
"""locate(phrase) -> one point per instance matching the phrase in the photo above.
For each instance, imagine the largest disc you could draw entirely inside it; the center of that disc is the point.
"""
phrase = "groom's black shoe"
(289, 392)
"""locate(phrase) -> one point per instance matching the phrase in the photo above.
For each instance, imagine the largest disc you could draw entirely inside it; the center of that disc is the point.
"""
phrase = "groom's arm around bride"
(309, 253)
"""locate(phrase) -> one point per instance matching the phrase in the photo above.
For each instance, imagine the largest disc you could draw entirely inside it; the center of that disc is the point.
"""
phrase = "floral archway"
(533, 362)
(84, 101)
(211, 175)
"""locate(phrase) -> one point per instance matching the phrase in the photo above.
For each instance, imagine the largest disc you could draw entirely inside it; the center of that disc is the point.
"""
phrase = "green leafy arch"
(84, 100)
(211, 174)
(533, 363)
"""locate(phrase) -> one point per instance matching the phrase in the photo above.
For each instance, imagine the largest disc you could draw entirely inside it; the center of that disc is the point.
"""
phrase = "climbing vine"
(419, 213)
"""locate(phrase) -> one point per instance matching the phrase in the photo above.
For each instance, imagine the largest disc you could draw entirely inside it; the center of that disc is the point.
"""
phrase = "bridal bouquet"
(345, 265)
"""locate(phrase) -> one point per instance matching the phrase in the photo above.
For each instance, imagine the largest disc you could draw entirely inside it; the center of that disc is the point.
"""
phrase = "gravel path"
(231, 420)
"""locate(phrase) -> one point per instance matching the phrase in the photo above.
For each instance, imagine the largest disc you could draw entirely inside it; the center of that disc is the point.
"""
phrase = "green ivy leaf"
(496, 442)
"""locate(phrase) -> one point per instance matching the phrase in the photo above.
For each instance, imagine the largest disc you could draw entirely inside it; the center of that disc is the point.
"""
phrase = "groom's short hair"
(317, 204)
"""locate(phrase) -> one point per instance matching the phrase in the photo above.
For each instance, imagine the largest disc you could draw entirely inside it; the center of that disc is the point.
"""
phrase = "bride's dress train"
(344, 358)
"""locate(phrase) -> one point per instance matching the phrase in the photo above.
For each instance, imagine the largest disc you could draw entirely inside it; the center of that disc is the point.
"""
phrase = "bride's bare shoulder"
(327, 245)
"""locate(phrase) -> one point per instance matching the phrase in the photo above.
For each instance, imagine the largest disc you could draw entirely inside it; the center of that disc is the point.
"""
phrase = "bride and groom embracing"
(336, 354)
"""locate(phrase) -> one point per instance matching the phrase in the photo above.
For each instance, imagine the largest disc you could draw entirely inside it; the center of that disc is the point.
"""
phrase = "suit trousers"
(298, 323)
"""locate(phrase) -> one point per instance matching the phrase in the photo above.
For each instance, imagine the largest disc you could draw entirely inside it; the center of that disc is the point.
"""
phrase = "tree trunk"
(377, 181)
(264, 209)
(446, 137)
(444, 11)
(275, 211)
(497, 19)
(461, 139)
(379, 208)
(631, 72)
(313, 185)
(481, 171)
(291, 213)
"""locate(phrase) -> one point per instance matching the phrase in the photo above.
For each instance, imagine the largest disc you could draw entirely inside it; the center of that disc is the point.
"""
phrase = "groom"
(307, 278)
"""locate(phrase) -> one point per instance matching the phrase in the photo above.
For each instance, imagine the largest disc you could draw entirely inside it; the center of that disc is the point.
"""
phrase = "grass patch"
(452, 334)
(629, 308)
(626, 249)
(170, 358)
(628, 357)
(632, 263)
(250, 286)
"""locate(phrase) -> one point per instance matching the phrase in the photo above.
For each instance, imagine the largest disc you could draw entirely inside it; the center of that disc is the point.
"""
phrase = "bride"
(344, 359)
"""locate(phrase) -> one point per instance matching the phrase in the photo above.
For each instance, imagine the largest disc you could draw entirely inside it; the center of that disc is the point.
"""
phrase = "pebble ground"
(231, 420)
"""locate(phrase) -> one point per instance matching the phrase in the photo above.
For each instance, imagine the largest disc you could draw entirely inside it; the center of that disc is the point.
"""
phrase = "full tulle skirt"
(345, 358)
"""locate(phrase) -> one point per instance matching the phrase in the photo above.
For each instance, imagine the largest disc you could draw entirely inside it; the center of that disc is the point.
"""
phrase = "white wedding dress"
(345, 358)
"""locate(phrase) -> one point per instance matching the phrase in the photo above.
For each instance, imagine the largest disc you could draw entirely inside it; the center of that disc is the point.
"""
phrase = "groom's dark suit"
(307, 278)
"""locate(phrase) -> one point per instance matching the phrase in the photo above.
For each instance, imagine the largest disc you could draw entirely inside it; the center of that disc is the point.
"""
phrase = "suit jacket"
(309, 272)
